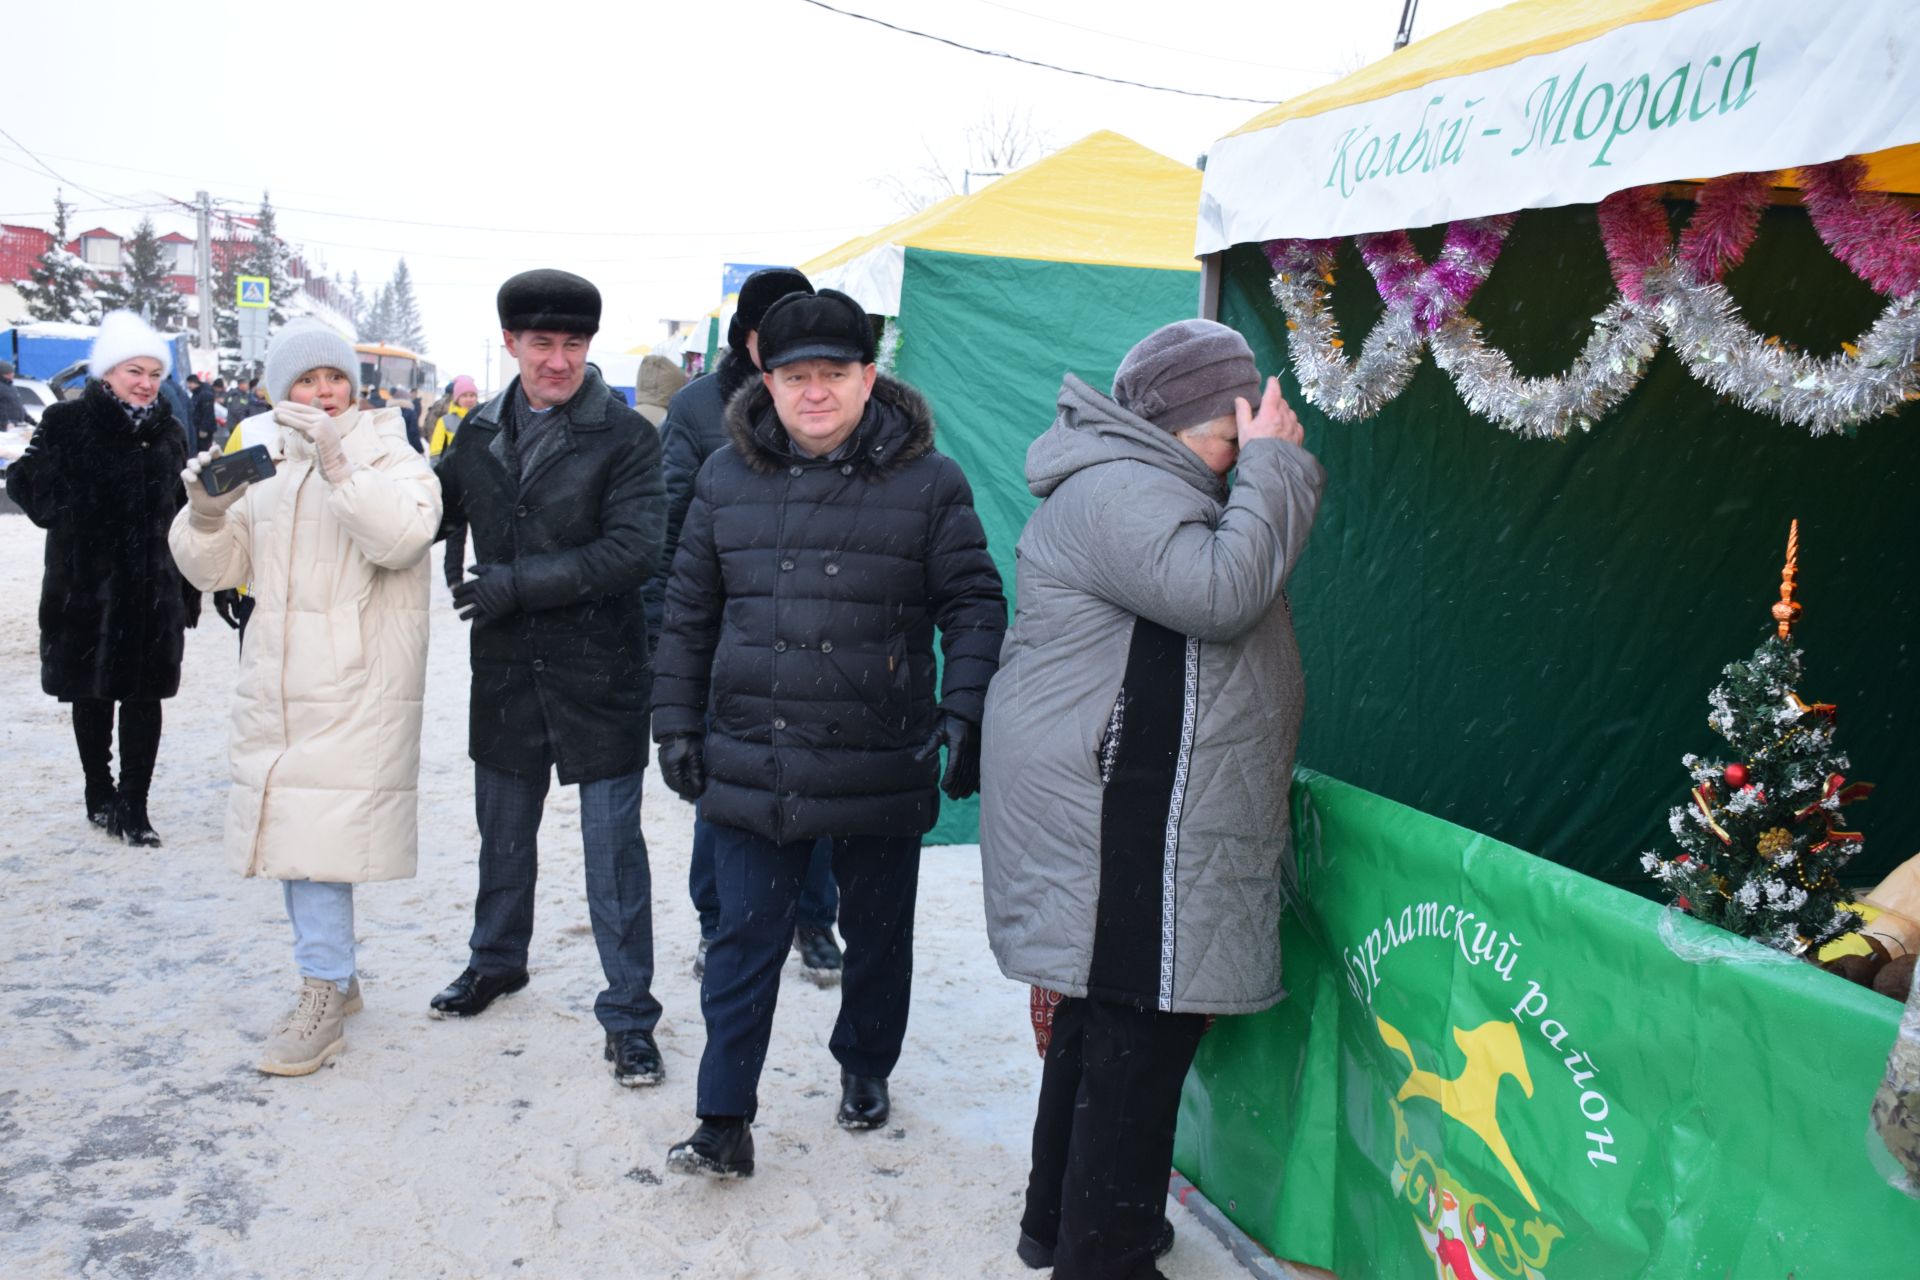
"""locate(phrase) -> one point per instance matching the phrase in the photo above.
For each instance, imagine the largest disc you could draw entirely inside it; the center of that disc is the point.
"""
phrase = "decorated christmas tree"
(1761, 836)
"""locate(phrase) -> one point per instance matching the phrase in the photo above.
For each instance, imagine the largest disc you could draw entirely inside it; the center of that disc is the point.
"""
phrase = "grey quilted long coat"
(1139, 737)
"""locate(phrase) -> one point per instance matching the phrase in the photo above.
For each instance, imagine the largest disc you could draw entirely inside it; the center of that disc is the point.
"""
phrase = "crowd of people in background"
(773, 575)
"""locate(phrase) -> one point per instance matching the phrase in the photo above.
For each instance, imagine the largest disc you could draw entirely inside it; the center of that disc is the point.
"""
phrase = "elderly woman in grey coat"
(1138, 746)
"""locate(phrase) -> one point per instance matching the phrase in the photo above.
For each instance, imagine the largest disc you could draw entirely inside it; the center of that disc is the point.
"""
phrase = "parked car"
(35, 395)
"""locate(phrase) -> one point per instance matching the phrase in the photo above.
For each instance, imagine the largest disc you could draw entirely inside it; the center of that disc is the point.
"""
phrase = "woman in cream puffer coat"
(325, 745)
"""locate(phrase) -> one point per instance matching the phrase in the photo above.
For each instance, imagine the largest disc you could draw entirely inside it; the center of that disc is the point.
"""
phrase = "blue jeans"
(759, 885)
(819, 895)
(619, 886)
(322, 916)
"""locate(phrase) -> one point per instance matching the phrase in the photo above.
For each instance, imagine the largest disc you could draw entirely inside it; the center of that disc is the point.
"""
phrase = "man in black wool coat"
(559, 482)
(794, 693)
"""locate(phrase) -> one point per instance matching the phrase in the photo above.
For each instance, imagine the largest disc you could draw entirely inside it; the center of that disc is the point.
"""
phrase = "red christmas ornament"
(1736, 775)
(1683, 904)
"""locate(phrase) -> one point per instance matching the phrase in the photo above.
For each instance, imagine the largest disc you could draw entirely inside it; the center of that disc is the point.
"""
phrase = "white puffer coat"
(325, 747)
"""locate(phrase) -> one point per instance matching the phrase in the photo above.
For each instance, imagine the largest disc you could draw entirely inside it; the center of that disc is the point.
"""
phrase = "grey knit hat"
(1187, 373)
(306, 344)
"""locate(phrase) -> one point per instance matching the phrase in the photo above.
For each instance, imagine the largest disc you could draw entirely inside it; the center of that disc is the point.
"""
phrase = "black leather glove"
(683, 765)
(488, 594)
(226, 605)
(191, 598)
(962, 741)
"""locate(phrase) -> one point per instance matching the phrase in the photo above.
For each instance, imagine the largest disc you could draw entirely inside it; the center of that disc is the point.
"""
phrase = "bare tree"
(998, 143)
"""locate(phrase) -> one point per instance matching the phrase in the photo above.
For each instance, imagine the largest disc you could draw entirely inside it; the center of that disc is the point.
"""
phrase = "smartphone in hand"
(231, 470)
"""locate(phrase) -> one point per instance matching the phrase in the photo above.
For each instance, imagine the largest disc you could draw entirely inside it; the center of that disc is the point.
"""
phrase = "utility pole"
(203, 258)
(1405, 33)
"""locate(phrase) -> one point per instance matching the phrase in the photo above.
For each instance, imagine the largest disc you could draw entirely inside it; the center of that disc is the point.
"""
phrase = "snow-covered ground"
(136, 1139)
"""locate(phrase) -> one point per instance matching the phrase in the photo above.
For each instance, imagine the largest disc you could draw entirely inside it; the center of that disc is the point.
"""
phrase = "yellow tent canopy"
(1105, 200)
(1552, 102)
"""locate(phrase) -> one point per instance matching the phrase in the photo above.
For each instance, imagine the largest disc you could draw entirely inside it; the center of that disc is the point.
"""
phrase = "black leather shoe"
(635, 1058)
(722, 1147)
(863, 1101)
(471, 993)
(1040, 1256)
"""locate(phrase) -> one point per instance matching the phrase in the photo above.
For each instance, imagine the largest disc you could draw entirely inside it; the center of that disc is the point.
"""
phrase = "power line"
(239, 202)
(1156, 44)
(1049, 66)
(54, 174)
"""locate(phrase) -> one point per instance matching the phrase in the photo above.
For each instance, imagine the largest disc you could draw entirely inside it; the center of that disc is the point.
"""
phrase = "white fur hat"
(124, 336)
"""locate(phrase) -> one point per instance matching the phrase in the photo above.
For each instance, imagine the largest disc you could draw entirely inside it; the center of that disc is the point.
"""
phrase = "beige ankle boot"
(303, 1041)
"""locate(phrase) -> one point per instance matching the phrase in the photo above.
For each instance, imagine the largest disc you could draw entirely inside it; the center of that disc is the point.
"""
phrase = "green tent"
(1058, 267)
(1566, 421)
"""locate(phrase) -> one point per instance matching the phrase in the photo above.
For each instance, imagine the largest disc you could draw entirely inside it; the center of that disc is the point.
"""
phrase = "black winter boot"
(722, 1147)
(128, 820)
(100, 801)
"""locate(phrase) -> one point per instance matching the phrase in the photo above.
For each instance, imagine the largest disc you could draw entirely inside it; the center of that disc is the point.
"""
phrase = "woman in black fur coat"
(102, 477)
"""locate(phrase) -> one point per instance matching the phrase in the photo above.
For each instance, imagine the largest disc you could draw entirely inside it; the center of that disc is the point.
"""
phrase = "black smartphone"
(231, 470)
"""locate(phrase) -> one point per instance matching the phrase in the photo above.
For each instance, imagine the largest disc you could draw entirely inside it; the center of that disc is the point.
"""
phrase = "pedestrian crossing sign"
(252, 291)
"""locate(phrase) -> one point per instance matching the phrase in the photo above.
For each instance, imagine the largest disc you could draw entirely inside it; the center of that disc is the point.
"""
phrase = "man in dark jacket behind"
(795, 694)
(559, 482)
(12, 412)
(694, 427)
(206, 423)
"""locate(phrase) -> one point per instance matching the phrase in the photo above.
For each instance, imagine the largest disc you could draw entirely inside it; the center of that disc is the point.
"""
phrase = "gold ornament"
(1774, 843)
(1786, 612)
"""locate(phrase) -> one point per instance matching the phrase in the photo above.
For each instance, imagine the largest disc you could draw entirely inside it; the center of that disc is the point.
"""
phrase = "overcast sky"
(642, 145)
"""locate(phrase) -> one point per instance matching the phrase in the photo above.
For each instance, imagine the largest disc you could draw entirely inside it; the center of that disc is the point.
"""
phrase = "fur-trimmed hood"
(896, 429)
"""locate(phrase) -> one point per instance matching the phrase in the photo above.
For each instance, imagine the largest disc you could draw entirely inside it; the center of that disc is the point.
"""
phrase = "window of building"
(100, 251)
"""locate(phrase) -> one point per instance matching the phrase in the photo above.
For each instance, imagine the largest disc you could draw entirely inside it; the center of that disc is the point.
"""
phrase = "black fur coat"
(113, 607)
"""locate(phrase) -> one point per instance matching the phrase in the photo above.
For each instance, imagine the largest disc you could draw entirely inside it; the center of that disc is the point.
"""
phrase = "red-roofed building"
(20, 249)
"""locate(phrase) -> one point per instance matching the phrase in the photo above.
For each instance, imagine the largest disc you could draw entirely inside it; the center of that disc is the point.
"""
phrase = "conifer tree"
(144, 285)
(59, 286)
(1761, 836)
(270, 257)
(407, 329)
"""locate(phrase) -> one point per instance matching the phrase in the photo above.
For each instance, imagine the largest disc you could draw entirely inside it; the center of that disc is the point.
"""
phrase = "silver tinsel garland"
(1345, 392)
(1824, 394)
(1624, 338)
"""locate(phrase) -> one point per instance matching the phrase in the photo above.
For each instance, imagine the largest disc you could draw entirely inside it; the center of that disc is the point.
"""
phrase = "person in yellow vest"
(235, 606)
(465, 396)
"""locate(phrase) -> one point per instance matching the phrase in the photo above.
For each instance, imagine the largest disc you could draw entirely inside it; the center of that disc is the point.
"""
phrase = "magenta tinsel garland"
(1633, 227)
(1726, 215)
(1867, 230)
(1439, 291)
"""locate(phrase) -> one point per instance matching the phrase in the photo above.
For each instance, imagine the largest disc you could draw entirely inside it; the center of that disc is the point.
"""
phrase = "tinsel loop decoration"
(1344, 391)
(1421, 298)
(1662, 287)
(1824, 394)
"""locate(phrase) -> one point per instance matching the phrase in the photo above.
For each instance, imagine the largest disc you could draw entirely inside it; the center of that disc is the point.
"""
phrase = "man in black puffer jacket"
(695, 426)
(794, 693)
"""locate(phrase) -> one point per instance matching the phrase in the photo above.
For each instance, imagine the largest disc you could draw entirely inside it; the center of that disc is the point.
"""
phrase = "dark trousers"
(819, 896)
(619, 885)
(243, 610)
(759, 886)
(139, 745)
(1103, 1136)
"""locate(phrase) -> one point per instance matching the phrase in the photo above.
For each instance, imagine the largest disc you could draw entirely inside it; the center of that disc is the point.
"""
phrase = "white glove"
(203, 503)
(334, 466)
(313, 423)
(303, 418)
